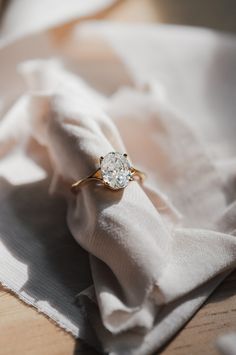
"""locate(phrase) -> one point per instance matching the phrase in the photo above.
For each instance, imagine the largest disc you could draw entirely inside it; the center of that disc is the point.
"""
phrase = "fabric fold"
(140, 262)
(156, 252)
(103, 222)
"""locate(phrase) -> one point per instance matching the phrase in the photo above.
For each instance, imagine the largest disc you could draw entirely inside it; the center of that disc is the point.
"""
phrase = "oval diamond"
(115, 169)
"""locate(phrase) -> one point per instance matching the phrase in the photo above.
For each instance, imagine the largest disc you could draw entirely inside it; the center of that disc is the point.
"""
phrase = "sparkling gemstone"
(115, 169)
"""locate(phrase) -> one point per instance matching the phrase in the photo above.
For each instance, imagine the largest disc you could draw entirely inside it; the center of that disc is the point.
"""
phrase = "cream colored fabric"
(155, 252)
(139, 261)
(24, 17)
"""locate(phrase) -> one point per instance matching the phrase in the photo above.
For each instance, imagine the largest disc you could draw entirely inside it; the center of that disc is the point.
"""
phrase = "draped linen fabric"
(14, 26)
(150, 254)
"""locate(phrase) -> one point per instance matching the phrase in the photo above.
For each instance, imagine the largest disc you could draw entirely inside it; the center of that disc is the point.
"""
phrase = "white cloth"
(155, 253)
(22, 18)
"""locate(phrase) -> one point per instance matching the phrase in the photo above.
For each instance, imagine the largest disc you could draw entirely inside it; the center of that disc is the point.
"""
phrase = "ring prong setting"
(115, 172)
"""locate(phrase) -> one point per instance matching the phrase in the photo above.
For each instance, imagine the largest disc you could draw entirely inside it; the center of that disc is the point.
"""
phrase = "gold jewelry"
(114, 172)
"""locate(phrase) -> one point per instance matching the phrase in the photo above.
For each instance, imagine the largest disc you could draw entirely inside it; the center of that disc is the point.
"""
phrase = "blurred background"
(217, 14)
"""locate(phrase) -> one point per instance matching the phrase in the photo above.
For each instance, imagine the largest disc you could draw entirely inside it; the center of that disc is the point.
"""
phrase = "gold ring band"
(114, 173)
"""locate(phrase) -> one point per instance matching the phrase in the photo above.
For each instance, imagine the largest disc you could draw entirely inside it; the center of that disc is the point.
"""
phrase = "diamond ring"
(114, 172)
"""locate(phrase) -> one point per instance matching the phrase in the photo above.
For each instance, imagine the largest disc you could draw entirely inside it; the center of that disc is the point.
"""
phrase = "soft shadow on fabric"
(57, 265)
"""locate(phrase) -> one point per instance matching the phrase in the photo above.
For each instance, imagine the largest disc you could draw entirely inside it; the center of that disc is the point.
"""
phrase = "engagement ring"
(114, 172)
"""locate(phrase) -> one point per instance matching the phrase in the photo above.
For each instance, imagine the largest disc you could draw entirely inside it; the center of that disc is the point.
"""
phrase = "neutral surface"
(24, 331)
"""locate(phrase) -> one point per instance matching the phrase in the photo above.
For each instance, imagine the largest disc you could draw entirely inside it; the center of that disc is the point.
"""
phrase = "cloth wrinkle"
(140, 260)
